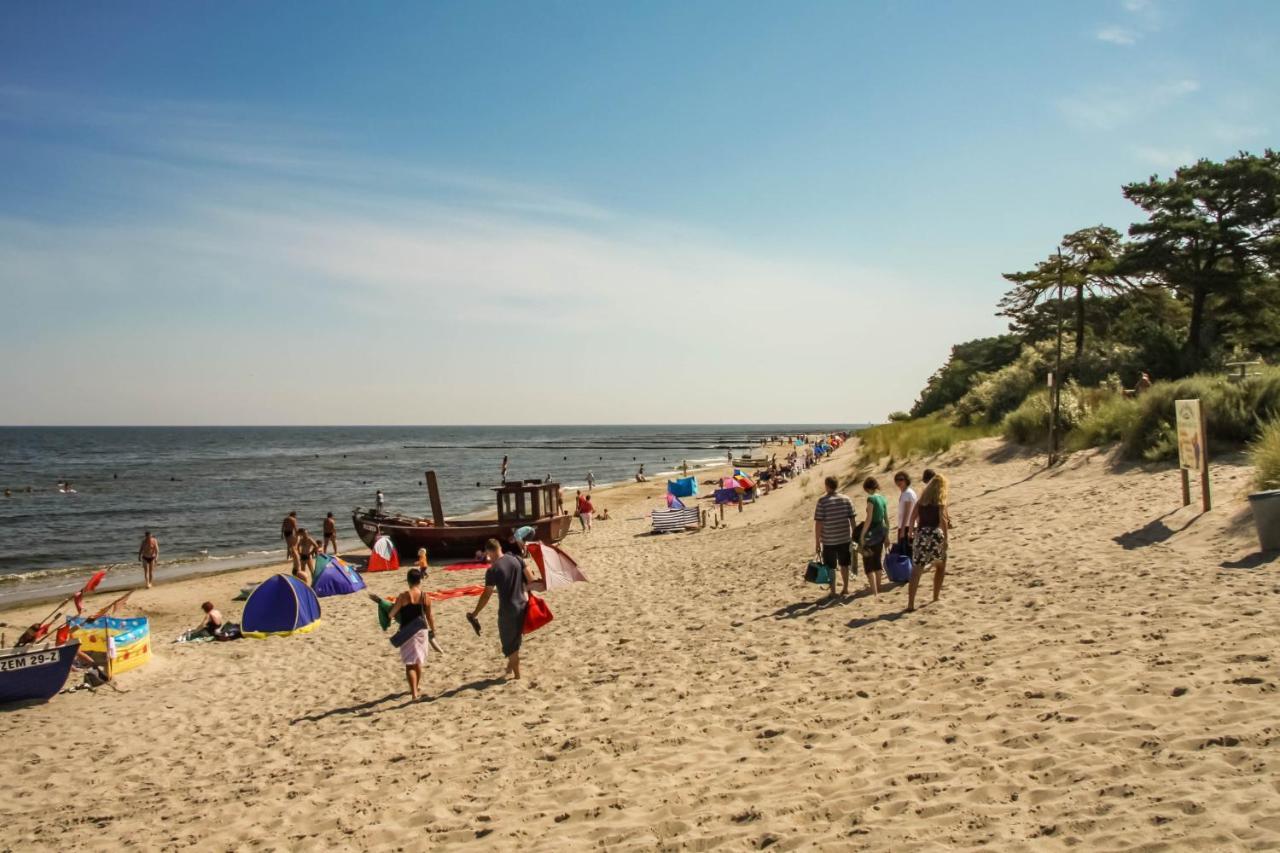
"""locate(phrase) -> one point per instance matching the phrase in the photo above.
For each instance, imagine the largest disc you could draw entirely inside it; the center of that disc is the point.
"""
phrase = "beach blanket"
(465, 567)
(457, 592)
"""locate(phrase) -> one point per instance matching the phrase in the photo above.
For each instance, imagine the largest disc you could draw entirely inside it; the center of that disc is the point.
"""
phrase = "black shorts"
(841, 554)
(511, 630)
(873, 558)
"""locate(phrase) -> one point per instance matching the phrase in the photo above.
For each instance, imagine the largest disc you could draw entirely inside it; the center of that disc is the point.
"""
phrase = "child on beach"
(932, 525)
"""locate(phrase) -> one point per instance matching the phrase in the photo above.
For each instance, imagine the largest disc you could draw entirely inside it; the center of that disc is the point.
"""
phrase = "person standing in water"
(504, 468)
(932, 528)
(379, 501)
(148, 553)
(508, 577)
(330, 534)
(591, 481)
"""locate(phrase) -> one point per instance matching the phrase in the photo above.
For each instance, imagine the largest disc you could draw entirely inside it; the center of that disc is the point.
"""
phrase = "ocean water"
(217, 494)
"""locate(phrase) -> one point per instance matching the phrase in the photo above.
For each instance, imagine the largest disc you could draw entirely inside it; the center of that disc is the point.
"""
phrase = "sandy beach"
(1100, 673)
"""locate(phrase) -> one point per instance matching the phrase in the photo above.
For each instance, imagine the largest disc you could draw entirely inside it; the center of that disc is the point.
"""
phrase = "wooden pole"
(433, 492)
(1057, 374)
(1205, 501)
(1186, 487)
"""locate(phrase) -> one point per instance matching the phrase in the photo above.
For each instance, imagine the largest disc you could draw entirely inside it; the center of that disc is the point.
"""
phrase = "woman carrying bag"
(413, 611)
(875, 531)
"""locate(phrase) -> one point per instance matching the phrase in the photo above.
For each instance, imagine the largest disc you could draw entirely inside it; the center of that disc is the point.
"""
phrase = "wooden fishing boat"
(36, 672)
(532, 503)
(750, 461)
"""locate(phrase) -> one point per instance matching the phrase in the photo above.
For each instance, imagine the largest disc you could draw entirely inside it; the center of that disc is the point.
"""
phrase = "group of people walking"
(302, 546)
(923, 527)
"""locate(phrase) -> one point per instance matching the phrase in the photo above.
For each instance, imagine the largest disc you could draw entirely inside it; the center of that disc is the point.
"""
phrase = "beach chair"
(674, 520)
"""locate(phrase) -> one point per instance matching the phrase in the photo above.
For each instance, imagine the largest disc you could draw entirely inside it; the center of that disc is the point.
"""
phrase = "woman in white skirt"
(413, 608)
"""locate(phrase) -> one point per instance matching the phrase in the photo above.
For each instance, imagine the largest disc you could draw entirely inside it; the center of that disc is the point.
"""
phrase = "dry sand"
(1100, 673)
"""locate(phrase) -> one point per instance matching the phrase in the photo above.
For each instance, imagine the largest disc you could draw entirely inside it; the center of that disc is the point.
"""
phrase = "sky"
(547, 212)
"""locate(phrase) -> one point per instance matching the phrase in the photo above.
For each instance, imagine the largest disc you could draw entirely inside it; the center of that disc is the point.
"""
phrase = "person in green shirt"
(874, 533)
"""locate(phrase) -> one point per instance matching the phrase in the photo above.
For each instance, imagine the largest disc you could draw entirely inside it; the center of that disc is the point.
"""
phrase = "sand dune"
(1094, 676)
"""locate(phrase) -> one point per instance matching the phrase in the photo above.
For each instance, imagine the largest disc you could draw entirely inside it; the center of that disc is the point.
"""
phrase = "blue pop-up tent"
(334, 577)
(685, 487)
(280, 606)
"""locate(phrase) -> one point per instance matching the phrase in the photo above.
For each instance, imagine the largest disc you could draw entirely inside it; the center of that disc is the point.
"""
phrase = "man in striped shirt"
(833, 520)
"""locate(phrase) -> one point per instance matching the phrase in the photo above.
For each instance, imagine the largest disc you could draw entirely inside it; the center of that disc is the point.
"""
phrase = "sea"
(80, 498)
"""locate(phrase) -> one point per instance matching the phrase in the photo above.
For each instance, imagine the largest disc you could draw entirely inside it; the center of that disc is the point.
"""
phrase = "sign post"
(1193, 449)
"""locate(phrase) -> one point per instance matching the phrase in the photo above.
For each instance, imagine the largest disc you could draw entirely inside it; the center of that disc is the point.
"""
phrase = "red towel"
(442, 594)
(465, 567)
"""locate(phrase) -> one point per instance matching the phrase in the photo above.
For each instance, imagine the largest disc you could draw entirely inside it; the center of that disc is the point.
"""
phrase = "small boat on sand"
(35, 672)
(750, 461)
(531, 503)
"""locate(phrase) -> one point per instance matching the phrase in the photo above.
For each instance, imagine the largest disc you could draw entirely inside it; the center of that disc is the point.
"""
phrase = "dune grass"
(920, 437)
(1265, 455)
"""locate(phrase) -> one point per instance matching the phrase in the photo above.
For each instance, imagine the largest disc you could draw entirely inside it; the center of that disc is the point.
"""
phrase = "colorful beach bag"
(897, 563)
(817, 572)
(536, 615)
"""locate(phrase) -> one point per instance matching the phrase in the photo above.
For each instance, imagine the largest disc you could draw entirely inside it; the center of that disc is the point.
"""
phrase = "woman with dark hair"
(875, 530)
(413, 611)
(932, 523)
(906, 504)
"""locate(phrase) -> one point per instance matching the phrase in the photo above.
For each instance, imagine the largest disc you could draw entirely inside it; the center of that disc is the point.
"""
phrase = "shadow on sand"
(1252, 561)
(379, 706)
(1152, 533)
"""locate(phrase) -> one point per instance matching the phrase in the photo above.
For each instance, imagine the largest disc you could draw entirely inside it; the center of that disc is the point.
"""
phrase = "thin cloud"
(1117, 35)
(1111, 107)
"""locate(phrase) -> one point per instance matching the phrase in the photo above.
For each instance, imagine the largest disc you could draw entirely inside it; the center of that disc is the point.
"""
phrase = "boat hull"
(455, 538)
(33, 674)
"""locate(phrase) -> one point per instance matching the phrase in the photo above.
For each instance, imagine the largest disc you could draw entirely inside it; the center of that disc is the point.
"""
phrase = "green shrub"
(1109, 419)
(1265, 455)
(1232, 411)
(1029, 423)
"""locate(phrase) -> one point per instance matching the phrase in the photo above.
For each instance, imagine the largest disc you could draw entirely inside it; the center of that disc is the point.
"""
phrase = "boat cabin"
(528, 501)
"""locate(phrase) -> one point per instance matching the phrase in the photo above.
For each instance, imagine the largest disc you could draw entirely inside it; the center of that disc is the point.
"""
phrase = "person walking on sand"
(148, 553)
(875, 530)
(305, 549)
(585, 509)
(833, 519)
(330, 535)
(906, 504)
(507, 576)
(412, 610)
(932, 525)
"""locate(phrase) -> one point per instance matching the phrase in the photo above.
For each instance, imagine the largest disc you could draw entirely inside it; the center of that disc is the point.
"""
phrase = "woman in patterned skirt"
(932, 524)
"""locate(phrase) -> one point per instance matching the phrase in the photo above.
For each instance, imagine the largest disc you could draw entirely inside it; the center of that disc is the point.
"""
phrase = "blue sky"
(566, 212)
